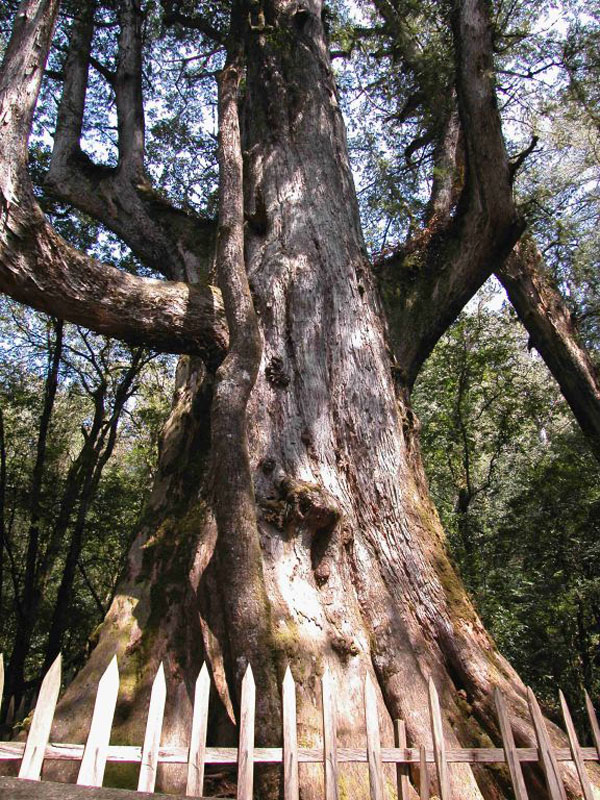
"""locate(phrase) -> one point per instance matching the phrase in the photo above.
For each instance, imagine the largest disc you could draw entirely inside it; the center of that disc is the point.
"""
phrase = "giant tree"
(290, 521)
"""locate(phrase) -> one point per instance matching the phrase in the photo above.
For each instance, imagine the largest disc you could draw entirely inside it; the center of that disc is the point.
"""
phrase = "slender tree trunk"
(29, 592)
(101, 453)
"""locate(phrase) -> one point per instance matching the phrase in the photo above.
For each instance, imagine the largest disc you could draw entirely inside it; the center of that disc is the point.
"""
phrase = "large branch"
(544, 314)
(177, 243)
(539, 305)
(427, 283)
(39, 268)
(128, 88)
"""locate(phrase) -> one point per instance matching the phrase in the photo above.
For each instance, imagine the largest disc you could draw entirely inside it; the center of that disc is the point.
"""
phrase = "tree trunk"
(353, 569)
(30, 593)
(101, 451)
(348, 556)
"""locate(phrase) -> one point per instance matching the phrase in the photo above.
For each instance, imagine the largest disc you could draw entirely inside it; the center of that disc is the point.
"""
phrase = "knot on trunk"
(276, 372)
(310, 505)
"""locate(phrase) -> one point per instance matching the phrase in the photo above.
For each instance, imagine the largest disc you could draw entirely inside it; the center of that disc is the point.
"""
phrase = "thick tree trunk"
(353, 570)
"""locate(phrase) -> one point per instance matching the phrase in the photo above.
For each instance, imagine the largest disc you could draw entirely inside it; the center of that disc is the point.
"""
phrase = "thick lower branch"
(39, 268)
(544, 314)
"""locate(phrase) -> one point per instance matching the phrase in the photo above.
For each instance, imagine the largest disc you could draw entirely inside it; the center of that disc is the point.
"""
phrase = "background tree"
(64, 395)
(516, 488)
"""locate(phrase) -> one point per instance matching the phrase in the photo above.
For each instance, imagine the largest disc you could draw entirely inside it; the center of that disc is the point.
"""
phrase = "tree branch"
(128, 91)
(238, 540)
(517, 162)
(546, 317)
(447, 182)
(39, 268)
(176, 243)
(428, 282)
(172, 16)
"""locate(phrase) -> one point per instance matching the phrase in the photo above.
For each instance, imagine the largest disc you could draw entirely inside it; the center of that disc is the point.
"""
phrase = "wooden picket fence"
(98, 750)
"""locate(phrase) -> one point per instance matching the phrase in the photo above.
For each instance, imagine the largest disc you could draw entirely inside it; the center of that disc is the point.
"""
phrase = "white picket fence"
(97, 752)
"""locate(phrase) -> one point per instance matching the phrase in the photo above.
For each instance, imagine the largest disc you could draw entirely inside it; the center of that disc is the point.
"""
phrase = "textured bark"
(448, 172)
(245, 602)
(552, 332)
(351, 555)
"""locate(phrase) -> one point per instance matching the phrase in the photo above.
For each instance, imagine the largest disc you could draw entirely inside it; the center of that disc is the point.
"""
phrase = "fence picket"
(91, 769)
(510, 751)
(197, 753)
(158, 696)
(423, 775)
(39, 732)
(439, 746)
(330, 756)
(291, 785)
(373, 741)
(593, 723)
(554, 782)
(246, 741)
(575, 749)
(401, 769)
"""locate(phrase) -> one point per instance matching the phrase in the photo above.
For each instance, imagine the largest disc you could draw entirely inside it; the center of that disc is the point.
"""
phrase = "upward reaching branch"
(483, 191)
(238, 541)
(434, 276)
(128, 87)
(39, 268)
(174, 242)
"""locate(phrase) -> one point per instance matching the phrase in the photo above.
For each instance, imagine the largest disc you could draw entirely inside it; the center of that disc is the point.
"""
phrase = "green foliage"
(543, 590)
(519, 494)
(91, 367)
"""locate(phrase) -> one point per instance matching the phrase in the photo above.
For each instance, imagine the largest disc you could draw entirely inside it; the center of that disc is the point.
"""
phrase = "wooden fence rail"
(97, 752)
